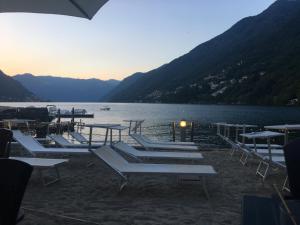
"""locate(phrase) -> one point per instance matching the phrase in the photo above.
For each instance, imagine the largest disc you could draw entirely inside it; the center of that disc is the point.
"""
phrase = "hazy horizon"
(125, 37)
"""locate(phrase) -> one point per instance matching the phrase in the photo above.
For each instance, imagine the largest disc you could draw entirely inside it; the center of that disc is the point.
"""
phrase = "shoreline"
(152, 103)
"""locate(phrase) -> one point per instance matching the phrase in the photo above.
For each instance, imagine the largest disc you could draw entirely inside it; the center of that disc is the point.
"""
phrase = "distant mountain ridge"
(50, 88)
(256, 61)
(13, 91)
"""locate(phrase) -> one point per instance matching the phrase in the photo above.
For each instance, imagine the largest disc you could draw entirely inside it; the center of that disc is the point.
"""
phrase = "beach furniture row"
(153, 150)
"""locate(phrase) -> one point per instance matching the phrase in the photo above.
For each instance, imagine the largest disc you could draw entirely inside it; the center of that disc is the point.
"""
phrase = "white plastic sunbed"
(33, 146)
(61, 141)
(148, 145)
(80, 138)
(124, 168)
(42, 163)
(121, 146)
(165, 142)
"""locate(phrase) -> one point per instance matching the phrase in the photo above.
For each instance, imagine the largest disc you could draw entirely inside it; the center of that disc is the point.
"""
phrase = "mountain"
(13, 91)
(256, 61)
(124, 86)
(66, 89)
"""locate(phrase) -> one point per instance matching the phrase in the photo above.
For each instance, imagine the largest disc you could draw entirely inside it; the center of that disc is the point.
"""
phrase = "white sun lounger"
(173, 147)
(121, 146)
(34, 147)
(42, 163)
(80, 138)
(62, 142)
(165, 142)
(124, 168)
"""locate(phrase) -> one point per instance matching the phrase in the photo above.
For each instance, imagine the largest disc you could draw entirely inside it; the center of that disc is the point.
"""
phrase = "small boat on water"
(105, 108)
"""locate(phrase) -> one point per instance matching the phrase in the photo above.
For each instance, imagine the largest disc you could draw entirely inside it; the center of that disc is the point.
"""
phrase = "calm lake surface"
(158, 115)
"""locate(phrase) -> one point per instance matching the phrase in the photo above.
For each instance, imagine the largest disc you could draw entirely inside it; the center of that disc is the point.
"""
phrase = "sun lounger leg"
(204, 188)
(244, 158)
(124, 182)
(90, 164)
(55, 179)
(263, 172)
(233, 149)
(285, 186)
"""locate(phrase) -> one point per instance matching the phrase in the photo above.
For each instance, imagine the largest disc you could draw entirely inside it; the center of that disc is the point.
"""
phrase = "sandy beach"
(91, 194)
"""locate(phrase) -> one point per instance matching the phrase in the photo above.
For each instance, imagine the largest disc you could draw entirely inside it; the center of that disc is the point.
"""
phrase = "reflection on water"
(163, 114)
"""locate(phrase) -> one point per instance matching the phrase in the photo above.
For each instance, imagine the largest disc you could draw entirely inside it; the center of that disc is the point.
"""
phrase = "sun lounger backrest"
(125, 148)
(144, 138)
(110, 157)
(140, 140)
(79, 137)
(27, 141)
(60, 140)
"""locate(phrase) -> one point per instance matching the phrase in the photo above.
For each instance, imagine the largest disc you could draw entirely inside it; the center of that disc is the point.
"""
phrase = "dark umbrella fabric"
(78, 8)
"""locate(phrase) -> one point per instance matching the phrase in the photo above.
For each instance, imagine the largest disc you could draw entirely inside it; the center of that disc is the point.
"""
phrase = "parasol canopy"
(78, 8)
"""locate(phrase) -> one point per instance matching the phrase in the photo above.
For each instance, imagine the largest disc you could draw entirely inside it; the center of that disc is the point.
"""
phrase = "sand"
(91, 193)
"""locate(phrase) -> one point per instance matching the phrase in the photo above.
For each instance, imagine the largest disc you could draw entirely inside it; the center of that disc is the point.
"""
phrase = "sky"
(125, 36)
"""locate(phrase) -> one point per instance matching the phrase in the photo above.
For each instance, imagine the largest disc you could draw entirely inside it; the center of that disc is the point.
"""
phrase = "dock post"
(73, 115)
(58, 128)
(173, 131)
(192, 131)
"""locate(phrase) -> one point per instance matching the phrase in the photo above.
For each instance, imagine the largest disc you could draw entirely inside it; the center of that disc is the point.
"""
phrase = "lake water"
(159, 116)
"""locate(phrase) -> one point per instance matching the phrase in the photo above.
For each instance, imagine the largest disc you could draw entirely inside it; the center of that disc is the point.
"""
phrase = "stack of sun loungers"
(267, 153)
